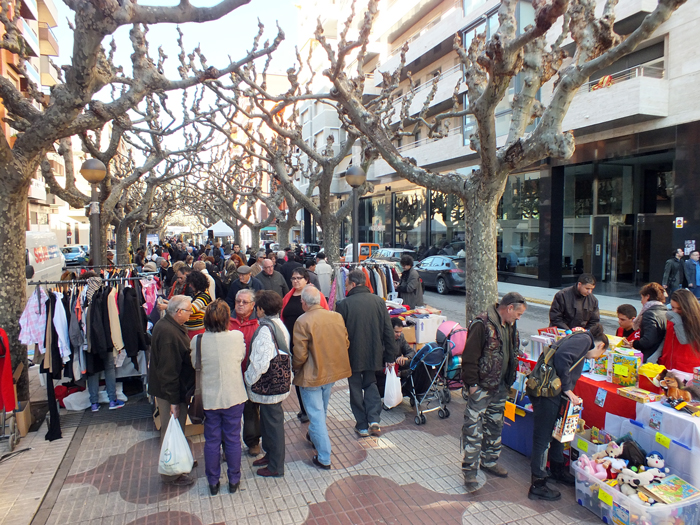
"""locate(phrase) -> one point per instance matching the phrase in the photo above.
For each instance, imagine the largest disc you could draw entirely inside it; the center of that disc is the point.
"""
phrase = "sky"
(231, 36)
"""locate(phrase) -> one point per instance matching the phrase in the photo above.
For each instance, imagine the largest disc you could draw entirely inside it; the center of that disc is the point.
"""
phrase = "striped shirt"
(199, 304)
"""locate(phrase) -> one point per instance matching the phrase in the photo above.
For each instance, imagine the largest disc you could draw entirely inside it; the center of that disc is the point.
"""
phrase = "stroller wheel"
(416, 420)
(465, 394)
(447, 412)
(442, 414)
(422, 419)
(446, 397)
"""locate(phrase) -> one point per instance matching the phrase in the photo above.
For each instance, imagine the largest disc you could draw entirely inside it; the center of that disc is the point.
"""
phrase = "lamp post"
(94, 171)
(355, 177)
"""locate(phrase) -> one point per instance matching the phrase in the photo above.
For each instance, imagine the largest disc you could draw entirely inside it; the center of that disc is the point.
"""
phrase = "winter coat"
(274, 282)
(691, 271)
(133, 323)
(678, 353)
(247, 328)
(411, 288)
(171, 376)
(569, 352)
(320, 348)
(652, 331)
(254, 284)
(570, 309)
(674, 273)
(369, 329)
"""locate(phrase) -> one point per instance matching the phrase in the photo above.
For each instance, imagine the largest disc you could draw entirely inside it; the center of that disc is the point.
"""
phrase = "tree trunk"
(481, 276)
(237, 234)
(331, 239)
(284, 228)
(143, 238)
(123, 243)
(135, 234)
(13, 224)
(255, 238)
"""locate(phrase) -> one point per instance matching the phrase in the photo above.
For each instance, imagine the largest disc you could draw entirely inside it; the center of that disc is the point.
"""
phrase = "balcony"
(445, 90)
(48, 45)
(32, 74)
(49, 76)
(634, 95)
(29, 36)
(48, 13)
(29, 10)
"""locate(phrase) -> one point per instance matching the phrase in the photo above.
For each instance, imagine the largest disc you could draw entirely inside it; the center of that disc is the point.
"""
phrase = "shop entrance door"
(601, 248)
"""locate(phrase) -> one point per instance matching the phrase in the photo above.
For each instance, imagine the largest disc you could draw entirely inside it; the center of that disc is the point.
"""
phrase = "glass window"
(519, 225)
(471, 5)
(409, 217)
(364, 250)
(578, 208)
(372, 219)
(446, 219)
(526, 15)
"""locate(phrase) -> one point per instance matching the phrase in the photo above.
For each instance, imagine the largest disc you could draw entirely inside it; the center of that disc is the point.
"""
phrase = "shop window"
(446, 219)
(409, 217)
(519, 225)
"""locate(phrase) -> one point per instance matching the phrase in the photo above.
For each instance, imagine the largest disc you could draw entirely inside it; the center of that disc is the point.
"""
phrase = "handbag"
(278, 377)
(196, 408)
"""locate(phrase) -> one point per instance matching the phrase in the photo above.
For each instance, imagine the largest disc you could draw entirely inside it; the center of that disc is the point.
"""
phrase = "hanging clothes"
(7, 391)
(133, 323)
(33, 321)
(60, 322)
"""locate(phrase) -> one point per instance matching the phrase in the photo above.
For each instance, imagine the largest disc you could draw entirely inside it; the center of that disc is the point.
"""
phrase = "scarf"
(678, 328)
(637, 323)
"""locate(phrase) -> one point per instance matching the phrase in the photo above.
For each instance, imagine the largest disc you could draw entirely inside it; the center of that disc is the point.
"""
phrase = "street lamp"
(355, 177)
(94, 171)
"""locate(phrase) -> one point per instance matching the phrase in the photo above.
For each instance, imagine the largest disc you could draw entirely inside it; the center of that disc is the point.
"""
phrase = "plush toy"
(613, 450)
(613, 466)
(628, 449)
(674, 388)
(656, 460)
(630, 481)
(592, 468)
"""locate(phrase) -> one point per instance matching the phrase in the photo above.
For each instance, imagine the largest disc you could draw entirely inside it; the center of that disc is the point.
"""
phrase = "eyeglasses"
(238, 301)
(297, 279)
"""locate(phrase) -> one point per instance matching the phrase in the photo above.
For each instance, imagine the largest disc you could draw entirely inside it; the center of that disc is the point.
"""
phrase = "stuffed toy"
(613, 450)
(627, 449)
(592, 468)
(656, 460)
(631, 481)
(674, 388)
(613, 466)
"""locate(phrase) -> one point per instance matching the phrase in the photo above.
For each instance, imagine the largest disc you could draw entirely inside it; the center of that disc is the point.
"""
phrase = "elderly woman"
(681, 349)
(291, 311)
(219, 353)
(651, 322)
(410, 287)
(197, 285)
(269, 357)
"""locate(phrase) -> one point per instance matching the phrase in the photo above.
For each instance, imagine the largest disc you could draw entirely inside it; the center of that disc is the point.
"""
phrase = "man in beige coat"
(320, 359)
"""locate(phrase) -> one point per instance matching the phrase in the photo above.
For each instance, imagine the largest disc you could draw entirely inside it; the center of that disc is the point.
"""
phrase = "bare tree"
(74, 109)
(489, 66)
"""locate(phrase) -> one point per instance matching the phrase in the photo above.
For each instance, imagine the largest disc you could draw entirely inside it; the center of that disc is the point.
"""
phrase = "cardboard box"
(24, 418)
(600, 366)
(190, 428)
(639, 395)
(426, 329)
(567, 421)
(409, 333)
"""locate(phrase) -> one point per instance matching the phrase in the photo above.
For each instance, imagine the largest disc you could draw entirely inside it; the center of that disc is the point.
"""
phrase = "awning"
(269, 228)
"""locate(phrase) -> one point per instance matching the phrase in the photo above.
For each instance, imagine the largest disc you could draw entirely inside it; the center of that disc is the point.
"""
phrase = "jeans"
(364, 398)
(223, 426)
(93, 381)
(316, 402)
(670, 291)
(545, 411)
(272, 427)
(696, 291)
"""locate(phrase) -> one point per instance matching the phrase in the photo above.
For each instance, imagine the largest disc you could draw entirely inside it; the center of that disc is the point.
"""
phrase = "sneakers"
(374, 429)
(319, 464)
(95, 407)
(540, 490)
(362, 432)
(114, 405)
(496, 470)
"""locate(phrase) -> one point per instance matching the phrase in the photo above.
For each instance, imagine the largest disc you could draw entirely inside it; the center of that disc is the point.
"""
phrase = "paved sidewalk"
(410, 475)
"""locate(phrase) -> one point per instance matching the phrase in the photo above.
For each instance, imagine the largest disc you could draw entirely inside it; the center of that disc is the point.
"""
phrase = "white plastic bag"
(392, 388)
(175, 454)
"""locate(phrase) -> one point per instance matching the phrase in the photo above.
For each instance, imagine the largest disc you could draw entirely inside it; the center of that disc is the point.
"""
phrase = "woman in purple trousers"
(223, 394)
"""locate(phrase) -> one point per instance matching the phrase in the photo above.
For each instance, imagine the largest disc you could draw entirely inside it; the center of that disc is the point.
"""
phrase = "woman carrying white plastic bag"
(175, 454)
(392, 388)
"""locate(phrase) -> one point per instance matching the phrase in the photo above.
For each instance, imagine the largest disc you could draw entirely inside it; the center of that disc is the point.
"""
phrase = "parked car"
(443, 272)
(393, 254)
(74, 254)
(309, 251)
(43, 259)
(367, 250)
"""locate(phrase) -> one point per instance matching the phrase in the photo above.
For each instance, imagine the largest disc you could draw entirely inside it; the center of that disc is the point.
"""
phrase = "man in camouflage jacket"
(489, 364)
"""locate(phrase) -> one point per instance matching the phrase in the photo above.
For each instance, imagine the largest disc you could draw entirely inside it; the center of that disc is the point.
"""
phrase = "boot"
(540, 490)
(470, 482)
(561, 474)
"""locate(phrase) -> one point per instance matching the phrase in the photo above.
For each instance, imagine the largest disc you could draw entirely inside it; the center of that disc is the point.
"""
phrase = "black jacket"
(369, 329)
(570, 351)
(674, 273)
(652, 331)
(570, 309)
(287, 269)
(274, 282)
(132, 322)
(171, 376)
(411, 288)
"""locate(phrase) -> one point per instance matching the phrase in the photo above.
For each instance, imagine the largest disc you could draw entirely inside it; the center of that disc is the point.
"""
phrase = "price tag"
(582, 445)
(510, 411)
(662, 440)
(621, 370)
(605, 497)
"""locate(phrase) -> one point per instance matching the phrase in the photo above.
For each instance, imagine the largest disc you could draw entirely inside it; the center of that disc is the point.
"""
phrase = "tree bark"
(284, 228)
(481, 276)
(13, 224)
(123, 242)
(255, 237)
(331, 239)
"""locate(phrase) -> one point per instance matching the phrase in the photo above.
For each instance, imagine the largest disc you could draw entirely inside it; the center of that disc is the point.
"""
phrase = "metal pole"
(355, 224)
(95, 252)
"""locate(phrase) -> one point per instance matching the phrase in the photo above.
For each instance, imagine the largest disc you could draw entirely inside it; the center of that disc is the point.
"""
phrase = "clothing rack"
(100, 266)
(85, 281)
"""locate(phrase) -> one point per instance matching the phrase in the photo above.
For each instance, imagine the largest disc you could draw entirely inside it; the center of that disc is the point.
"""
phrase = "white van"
(44, 259)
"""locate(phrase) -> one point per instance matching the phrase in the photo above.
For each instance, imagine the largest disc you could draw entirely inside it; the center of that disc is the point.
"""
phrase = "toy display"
(656, 460)
(638, 394)
(674, 388)
(567, 421)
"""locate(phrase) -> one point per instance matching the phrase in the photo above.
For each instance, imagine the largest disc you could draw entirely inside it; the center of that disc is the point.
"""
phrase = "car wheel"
(442, 286)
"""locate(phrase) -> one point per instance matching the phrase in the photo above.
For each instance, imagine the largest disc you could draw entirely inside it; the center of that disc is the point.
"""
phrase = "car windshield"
(70, 250)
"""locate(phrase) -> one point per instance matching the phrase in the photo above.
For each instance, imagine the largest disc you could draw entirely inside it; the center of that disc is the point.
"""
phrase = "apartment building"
(617, 208)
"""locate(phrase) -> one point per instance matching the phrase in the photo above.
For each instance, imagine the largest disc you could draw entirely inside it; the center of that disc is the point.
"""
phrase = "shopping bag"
(392, 388)
(175, 454)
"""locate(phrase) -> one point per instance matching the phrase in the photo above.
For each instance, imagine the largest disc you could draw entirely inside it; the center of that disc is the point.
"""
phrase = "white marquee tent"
(220, 230)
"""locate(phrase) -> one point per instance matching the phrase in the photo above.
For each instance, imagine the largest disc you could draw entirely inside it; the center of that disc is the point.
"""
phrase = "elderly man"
(325, 274)
(171, 378)
(280, 260)
(489, 364)
(245, 281)
(272, 280)
(258, 266)
(320, 359)
(245, 322)
(371, 347)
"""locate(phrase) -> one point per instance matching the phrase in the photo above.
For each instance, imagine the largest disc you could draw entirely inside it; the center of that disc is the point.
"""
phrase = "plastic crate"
(517, 434)
(630, 511)
(582, 444)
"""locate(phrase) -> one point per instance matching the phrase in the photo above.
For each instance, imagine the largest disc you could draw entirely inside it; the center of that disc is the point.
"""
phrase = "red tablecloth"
(587, 389)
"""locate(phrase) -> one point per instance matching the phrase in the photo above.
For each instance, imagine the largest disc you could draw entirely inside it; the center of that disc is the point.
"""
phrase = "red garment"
(192, 333)
(368, 284)
(634, 336)
(676, 356)
(248, 329)
(7, 391)
(286, 298)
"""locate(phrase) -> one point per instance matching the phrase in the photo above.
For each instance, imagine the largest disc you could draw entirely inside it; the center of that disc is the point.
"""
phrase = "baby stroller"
(427, 382)
(452, 337)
